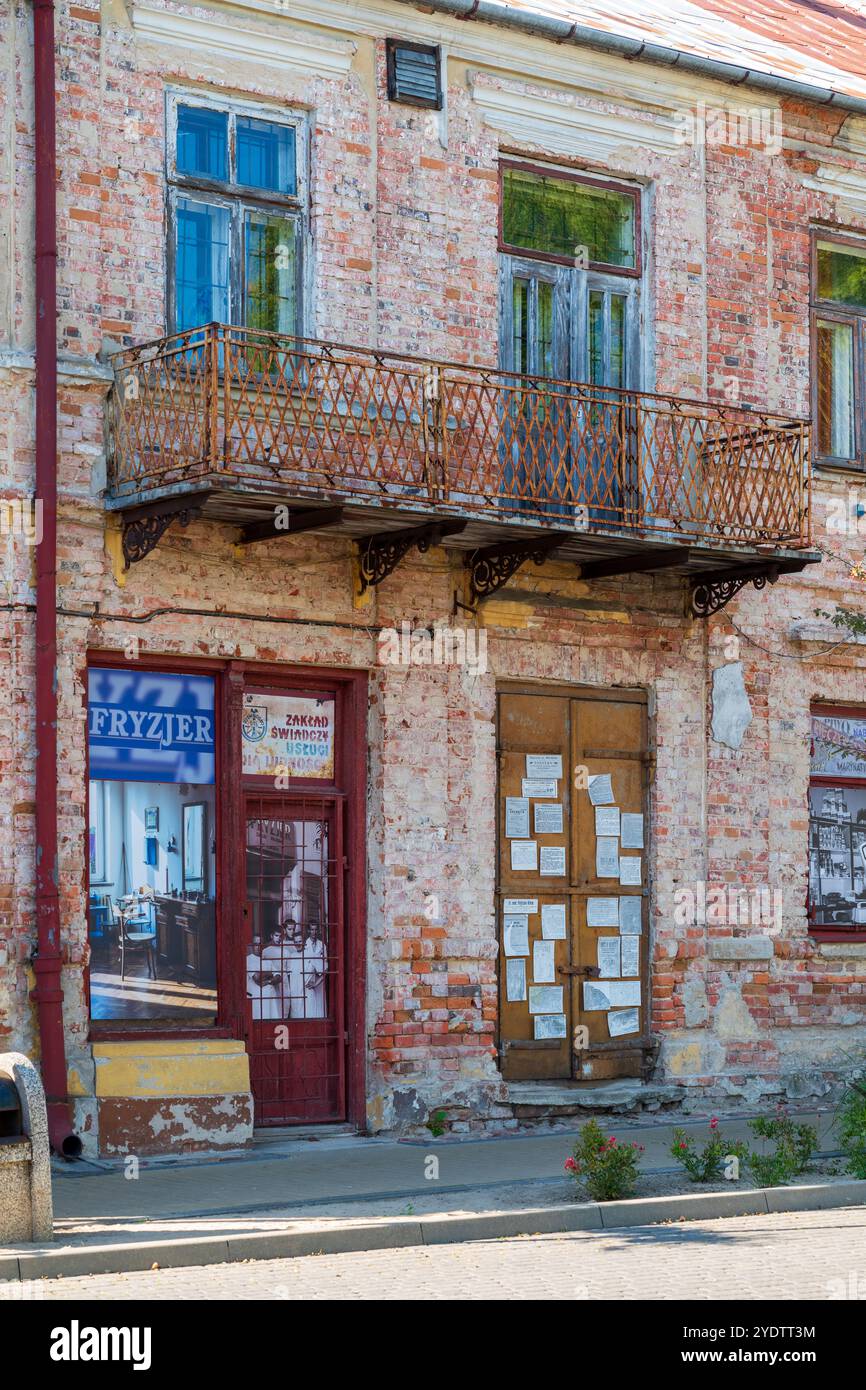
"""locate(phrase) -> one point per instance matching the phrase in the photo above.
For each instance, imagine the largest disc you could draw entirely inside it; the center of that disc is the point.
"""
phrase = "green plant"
(706, 1164)
(607, 1169)
(794, 1145)
(851, 1121)
(436, 1123)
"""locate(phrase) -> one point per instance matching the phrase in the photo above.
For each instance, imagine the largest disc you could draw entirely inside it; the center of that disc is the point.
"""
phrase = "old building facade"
(355, 598)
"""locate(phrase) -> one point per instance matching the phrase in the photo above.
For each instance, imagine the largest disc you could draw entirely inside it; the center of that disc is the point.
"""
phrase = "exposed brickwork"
(404, 256)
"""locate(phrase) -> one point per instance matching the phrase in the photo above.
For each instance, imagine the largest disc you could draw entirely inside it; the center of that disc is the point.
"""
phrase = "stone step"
(532, 1099)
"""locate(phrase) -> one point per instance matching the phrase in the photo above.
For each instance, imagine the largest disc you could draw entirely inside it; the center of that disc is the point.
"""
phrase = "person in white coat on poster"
(314, 972)
(264, 984)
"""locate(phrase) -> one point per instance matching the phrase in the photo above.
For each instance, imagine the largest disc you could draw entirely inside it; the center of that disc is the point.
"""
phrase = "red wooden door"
(294, 948)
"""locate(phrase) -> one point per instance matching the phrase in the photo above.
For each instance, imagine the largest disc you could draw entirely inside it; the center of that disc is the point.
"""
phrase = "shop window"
(153, 842)
(236, 203)
(839, 350)
(837, 821)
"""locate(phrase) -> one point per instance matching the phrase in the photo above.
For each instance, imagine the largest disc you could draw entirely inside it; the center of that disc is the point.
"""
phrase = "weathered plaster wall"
(404, 256)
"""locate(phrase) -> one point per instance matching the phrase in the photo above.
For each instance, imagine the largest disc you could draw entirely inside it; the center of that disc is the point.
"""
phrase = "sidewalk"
(293, 1195)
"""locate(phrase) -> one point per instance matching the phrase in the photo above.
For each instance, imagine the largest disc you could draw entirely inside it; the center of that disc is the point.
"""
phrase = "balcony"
(278, 435)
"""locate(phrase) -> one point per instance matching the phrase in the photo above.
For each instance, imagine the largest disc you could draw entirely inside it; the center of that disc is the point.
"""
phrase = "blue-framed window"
(237, 215)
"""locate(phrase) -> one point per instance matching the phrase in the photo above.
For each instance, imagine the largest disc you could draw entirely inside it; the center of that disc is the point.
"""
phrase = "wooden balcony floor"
(216, 499)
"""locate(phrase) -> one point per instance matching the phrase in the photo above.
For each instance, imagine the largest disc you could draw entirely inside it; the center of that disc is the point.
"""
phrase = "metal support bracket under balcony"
(711, 592)
(380, 554)
(493, 565)
(144, 526)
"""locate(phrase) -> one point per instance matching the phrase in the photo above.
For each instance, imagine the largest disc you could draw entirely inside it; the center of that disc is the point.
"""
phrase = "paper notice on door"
(515, 936)
(549, 1026)
(548, 819)
(620, 1022)
(552, 861)
(630, 955)
(543, 971)
(610, 994)
(629, 870)
(524, 855)
(606, 857)
(630, 915)
(632, 830)
(539, 787)
(602, 912)
(607, 820)
(543, 765)
(526, 905)
(553, 921)
(545, 999)
(600, 789)
(515, 981)
(608, 955)
(517, 817)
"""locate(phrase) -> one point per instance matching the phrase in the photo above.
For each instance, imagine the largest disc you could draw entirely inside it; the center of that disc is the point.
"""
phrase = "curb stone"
(21, 1264)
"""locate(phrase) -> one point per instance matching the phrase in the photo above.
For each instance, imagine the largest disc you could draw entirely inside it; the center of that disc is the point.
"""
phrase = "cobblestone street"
(809, 1255)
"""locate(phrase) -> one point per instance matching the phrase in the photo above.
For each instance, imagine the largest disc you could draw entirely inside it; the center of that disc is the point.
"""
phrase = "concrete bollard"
(26, 1209)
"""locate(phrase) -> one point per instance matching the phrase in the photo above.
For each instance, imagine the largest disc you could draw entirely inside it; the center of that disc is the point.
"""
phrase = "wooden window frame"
(834, 312)
(237, 198)
(552, 171)
(832, 931)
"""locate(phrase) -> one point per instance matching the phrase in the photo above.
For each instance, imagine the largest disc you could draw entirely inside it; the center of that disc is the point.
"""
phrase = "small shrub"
(436, 1123)
(606, 1169)
(852, 1128)
(794, 1146)
(706, 1164)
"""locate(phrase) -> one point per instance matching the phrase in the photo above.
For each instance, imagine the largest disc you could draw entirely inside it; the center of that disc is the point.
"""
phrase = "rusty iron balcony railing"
(255, 411)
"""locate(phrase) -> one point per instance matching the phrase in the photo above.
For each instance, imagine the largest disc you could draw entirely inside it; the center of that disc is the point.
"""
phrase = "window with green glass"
(553, 215)
(839, 350)
(842, 274)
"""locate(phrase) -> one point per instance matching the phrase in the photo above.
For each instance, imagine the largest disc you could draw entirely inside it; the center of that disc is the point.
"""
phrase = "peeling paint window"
(237, 212)
(839, 350)
(561, 217)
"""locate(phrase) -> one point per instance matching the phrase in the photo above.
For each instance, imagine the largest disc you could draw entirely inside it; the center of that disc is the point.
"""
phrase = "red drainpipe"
(48, 993)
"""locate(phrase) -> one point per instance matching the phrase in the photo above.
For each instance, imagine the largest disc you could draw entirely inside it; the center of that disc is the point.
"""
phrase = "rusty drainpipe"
(47, 962)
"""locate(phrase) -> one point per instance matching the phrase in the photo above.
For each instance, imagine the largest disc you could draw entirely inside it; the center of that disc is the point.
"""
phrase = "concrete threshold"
(44, 1262)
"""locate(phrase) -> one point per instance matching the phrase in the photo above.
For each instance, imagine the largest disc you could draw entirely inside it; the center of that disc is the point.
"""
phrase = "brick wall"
(404, 256)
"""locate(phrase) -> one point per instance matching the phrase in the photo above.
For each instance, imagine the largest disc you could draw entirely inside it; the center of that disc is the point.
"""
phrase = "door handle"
(591, 970)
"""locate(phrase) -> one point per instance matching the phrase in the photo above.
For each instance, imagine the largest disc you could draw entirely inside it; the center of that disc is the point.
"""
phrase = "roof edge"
(559, 31)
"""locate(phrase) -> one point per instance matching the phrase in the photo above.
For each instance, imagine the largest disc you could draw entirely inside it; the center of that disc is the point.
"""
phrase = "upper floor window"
(839, 349)
(563, 217)
(237, 204)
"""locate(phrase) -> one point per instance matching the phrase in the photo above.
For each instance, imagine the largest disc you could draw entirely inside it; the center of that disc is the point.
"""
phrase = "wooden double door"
(572, 894)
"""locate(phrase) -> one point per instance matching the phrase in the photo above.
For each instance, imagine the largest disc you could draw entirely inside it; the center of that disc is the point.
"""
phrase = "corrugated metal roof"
(821, 42)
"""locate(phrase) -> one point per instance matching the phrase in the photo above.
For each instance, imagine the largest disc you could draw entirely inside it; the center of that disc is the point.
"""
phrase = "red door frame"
(350, 766)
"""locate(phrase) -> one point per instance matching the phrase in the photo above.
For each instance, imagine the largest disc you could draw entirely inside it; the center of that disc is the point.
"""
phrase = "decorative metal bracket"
(144, 527)
(712, 592)
(380, 554)
(493, 566)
